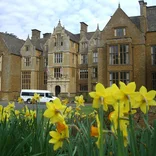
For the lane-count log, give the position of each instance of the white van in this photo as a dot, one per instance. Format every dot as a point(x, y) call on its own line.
point(45, 95)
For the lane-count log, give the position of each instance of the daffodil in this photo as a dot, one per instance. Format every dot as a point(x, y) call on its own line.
point(145, 99)
point(99, 92)
point(127, 95)
point(57, 139)
point(79, 101)
point(65, 101)
point(11, 105)
point(17, 113)
point(20, 100)
point(102, 96)
point(95, 131)
point(119, 121)
point(28, 114)
point(55, 111)
point(36, 97)
point(1, 112)
point(62, 128)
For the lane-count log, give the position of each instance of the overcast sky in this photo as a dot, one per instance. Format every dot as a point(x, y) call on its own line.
point(20, 16)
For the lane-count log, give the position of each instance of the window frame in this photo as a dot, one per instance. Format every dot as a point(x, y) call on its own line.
point(84, 58)
point(58, 57)
point(83, 73)
point(94, 72)
point(120, 32)
point(26, 79)
point(119, 54)
point(153, 55)
point(27, 61)
point(119, 76)
point(154, 80)
point(57, 72)
point(83, 87)
point(95, 57)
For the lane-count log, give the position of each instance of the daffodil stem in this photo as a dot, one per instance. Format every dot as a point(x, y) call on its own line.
point(101, 113)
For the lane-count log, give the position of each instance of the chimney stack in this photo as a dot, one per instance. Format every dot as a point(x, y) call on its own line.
point(35, 34)
point(46, 35)
point(83, 29)
point(143, 8)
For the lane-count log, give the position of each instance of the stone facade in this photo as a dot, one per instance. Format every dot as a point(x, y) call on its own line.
point(10, 66)
point(68, 64)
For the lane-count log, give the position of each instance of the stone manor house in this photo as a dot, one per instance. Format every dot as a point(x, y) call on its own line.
point(71, 64)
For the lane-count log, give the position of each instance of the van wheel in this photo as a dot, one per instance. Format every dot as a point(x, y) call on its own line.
point(29, 101)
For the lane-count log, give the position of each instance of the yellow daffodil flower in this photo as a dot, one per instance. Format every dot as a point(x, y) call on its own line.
point(99, 92)
point(11, 105)
point(57, 139)
point(28, 114)
point(65, 101)
point(95, 131)
point(145, 99)
point(55, 111)
point(17, 113)
point(36, 97)
point(79, 101)
point(118, 117)
point(102, 96)
point(62, 127)
point(20, 100)
point(127, 94)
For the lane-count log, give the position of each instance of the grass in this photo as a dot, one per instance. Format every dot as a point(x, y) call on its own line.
point(87, 109)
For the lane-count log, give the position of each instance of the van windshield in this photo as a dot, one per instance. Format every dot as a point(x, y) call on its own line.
point(49, 95)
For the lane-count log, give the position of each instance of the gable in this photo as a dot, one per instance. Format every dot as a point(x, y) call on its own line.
point(121, 20)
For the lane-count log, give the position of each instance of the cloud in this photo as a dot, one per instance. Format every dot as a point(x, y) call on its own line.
point(19, 17)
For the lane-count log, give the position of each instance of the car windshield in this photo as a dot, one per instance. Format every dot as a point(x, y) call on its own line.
point(49, 95)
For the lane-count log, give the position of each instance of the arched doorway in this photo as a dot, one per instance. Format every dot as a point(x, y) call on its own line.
point(57, 90)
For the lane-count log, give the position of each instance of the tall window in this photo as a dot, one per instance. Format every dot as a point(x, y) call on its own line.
point(0, 63)
point(153, 55)
point(45, 61)
point(73, 61)
point(57, 72)
point(95, 57)
point(58, 57)
point(27, 47)
point(83, 87)
point(115, 77)
point(94, 72)
point(119, 32)
point(83, 73)
point(154, 80)
point(45, 78)
point(119, 54)
point(26, 79)
point(0, 83)
point(46, 48)
point(27, 61)
point(84, 59)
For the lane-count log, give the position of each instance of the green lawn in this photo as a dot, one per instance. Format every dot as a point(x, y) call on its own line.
point(87, 109)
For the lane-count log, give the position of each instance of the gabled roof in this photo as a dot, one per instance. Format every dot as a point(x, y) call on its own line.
point(89, 35)
point(39, 43)
point(151, 18)
point(136, 21)
point(13, 43)
point(72, 36)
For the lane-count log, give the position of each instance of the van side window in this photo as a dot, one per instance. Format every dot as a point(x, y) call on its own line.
point(41, 94)
point(27, 94)
point(48, 95)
